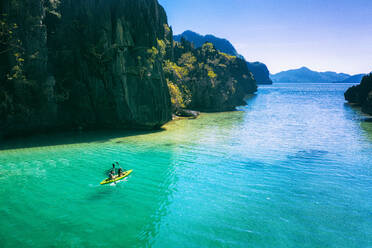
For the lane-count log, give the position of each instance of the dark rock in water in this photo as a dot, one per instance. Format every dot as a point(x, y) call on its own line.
point(352, 95)
point(260, 72)
point(82, 63)
point(187, 113)
point(361, 94)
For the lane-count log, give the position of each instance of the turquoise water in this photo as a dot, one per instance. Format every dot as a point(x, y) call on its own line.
point(291, 169)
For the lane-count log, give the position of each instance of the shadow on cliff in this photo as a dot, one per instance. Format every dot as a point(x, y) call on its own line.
point(69, 138)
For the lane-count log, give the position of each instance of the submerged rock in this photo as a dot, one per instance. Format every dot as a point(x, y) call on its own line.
point(187, 113)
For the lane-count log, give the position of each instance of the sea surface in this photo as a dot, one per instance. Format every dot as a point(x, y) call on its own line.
point(293, 168)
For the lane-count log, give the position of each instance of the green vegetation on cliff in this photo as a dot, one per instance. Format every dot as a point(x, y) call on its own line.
point(205, 79)
point(21, 95)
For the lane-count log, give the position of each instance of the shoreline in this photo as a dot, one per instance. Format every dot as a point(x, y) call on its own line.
point(75, 136)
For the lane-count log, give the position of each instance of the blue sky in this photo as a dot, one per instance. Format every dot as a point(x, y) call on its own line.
point(324, 35)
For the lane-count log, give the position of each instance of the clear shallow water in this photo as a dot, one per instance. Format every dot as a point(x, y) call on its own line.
point(293, 168)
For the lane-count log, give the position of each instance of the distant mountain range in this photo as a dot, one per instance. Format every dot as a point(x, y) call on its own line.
point(258, 69)
point(305, 75)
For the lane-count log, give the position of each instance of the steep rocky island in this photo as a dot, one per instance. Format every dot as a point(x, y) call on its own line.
point(259, 70)
point(92, 64)
point(206, 79)
point(361, 94)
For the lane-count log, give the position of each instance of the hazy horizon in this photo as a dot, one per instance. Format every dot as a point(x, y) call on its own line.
point(321, 35)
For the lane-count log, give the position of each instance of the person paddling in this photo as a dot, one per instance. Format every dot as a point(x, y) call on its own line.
point(120, 171)
point(113, 168)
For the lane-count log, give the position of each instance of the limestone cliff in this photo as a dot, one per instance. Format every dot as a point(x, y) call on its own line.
point(207, 80)
point(82, 63)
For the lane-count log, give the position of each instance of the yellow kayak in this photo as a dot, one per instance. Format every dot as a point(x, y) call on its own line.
point(108, 180)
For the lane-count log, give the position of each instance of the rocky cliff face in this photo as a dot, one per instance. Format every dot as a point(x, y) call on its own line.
point(361, 94)
point(207, 80)
point(82, 63)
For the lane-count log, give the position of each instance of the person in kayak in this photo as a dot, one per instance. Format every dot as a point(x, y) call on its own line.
point(112, 175)
point(113, 168)
point(120, 171)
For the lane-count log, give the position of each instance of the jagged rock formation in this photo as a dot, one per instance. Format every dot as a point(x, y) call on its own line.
point(206, 79)
point(259, 70)
point(361, 94)
point(82, 63)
